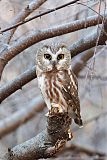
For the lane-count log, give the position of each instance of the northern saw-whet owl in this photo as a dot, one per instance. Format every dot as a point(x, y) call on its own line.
point(57, 81)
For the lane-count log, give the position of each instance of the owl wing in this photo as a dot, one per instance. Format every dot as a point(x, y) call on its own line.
point(70, 93)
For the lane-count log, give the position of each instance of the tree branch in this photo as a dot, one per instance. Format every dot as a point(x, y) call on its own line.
point(20, 117)
point(40, 35)
point(47, 143)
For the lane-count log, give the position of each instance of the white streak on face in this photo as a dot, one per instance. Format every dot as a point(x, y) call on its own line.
point(49, 51)
point(54, 56)
point(59, 51)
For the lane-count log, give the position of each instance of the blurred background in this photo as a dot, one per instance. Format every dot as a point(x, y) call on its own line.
point(92, 78)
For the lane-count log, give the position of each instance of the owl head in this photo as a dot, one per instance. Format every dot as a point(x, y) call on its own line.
point(53, 57)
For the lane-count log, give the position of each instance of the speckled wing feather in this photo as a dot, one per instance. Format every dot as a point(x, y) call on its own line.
point(70, 93)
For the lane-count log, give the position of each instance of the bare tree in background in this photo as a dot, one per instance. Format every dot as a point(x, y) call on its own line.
point(55, 136)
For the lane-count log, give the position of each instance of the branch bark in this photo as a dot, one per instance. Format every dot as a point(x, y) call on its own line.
point(20, 117)
point(40, 35)
point(47, 143)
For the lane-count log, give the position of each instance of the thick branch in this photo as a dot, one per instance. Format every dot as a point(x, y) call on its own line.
point(40, 35)
point(20, 117)
point(47, 143)
point(22, 15)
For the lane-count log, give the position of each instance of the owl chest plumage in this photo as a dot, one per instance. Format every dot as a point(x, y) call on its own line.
point(51, 87)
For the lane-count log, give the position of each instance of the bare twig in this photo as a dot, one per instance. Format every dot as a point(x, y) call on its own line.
point(91, 9)
point(39, 15)
point(20, 117)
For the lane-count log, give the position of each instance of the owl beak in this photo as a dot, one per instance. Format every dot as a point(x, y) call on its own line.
point(54, 64)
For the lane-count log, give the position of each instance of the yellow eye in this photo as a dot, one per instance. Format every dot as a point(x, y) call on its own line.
point(47, 56)
point(60, 56)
